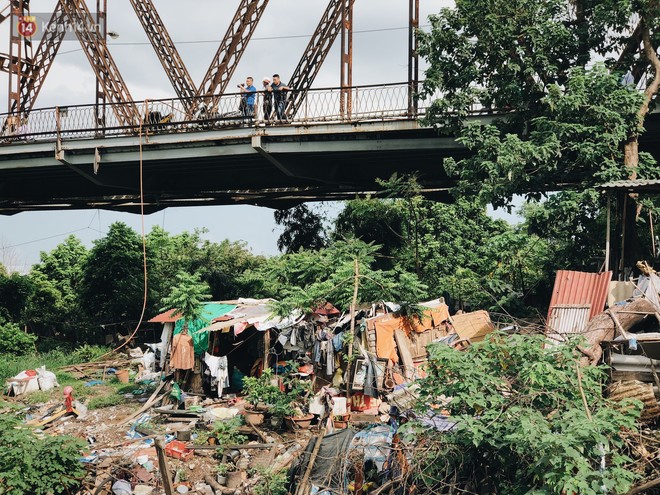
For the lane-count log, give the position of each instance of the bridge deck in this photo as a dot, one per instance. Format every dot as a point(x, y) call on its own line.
point(61, 158)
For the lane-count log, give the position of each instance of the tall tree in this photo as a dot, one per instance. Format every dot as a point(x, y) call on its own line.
point(57, 279)
point(564, 120)
point(113, 279)
point(302, 229)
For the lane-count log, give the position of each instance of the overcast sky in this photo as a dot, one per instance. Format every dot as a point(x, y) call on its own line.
point(380, 52)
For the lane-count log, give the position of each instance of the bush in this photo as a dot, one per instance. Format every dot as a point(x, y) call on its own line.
point(14, 341)
point(522, 424)
point(34, 466)
point(271, 483)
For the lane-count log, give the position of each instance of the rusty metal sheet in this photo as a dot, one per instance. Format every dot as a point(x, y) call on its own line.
point(566, 320)
point(581, 288)
point(165, 317)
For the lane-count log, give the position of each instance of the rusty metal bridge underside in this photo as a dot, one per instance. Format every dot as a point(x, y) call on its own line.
point(62, 159)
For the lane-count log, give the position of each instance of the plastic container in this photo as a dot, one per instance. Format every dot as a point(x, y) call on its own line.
point(122, 376)
point(178, 450)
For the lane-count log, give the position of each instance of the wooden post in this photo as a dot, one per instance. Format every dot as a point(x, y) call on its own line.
point(301, 488)
point(164, 469)
point(266, 348)
point(356, 282)
point(607, 235)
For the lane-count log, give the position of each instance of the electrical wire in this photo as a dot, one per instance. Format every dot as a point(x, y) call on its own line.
point(262, 38)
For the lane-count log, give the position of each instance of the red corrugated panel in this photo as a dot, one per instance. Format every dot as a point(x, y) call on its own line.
point(165, 317)
point(581, 288)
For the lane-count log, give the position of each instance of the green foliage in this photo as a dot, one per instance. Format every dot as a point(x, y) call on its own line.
point(34, 466)
point(521, 422)
point(303, 229)
point(113, 280)
point(576, 136)
point(378, 222)
point(227, 432)
point(15, 290)
point(15, 341)
point(11, 365)
point(305, 279)
point(271, 482)
point(54, 305)
point(187, 297)
point(105, 401)
point(259, 389)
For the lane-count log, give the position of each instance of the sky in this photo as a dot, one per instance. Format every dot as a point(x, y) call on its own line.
point(380, 54)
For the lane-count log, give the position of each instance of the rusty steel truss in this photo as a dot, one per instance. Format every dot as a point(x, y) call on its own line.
point(231, 47)
point(164, 46)
point(317, 50)
point(28, 71)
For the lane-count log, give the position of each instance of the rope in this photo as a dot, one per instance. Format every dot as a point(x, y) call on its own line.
point(144, 244)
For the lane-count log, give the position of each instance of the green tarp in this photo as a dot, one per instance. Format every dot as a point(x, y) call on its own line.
point(210, 311)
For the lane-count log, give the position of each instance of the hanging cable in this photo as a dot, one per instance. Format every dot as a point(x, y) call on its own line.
point(144, 242)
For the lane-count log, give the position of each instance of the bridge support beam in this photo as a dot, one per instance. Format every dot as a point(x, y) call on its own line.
point(413, 57)
point(346, 81)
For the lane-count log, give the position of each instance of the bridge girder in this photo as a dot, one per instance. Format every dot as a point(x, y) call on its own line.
point(232, 47)
point(317, 50)
point(164, 46)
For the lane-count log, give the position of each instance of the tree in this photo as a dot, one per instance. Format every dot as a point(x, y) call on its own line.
point(380, 222)
point(303, 229)
point(57, 281)
point(565, 121)
point(528, 419)
point(186, 297)
point(304, 279)
point(113, 278)
point(15, 291)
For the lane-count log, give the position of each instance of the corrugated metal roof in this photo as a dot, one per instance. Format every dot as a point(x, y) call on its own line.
point(580, 288)
point(636, 185)
point(566, 320)
point(165, 317)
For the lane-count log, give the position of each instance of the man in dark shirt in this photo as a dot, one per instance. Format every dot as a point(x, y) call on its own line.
point(268, 99)
point(279, 91)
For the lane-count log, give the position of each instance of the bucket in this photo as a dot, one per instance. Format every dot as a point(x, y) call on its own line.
point(122, 376)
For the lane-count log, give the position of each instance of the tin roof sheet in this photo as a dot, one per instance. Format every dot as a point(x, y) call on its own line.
point(633, 185)
point(580, 288)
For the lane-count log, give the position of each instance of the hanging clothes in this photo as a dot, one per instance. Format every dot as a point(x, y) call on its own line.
point(183, 352)
point(219, 370)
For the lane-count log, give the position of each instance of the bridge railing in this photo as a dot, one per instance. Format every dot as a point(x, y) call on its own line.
point(323, 105)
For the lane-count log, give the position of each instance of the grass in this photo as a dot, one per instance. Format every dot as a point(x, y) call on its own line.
point(110, 393)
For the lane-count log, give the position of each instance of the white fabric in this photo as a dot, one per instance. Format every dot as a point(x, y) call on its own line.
point(219, 369)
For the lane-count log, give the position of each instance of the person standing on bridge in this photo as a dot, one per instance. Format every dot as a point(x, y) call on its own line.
point(248, 95)
point(279, 91)
point(268, 99)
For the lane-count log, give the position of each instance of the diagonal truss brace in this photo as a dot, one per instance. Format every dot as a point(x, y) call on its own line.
point(317, 50)
point(232, 47)
point(102, 63)
point(164, 46)
point(42, 61)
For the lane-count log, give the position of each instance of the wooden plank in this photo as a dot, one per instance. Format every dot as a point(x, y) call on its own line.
point(164, 469)
point(405, 354)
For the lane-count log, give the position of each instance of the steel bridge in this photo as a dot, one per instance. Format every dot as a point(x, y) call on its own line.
point(200, 147)
point(61, 158)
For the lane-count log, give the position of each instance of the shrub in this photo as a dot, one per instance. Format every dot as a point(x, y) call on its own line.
point(271, 483)
point(34, 466)
point(14, 341)
point(528, 419)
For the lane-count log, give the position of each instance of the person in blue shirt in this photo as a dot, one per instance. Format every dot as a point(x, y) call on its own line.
point(248, 95)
